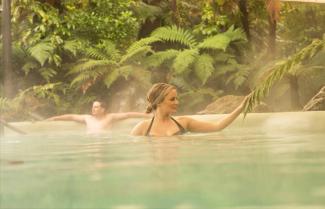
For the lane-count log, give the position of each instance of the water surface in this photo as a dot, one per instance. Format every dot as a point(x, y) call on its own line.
point(267, 161)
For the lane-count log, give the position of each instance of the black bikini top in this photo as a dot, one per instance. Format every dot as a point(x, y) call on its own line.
point(181, 131)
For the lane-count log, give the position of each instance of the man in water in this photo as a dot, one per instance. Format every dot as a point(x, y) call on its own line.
point(99, 120)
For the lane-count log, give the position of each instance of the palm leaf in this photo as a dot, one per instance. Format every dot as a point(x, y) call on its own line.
point(176, 35)
point(203, 67)
point(276, 73)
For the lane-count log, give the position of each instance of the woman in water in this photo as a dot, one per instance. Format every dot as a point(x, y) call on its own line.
point(162, 99)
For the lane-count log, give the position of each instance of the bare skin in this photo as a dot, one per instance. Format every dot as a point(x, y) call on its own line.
point(163, 125)
point(99, 120)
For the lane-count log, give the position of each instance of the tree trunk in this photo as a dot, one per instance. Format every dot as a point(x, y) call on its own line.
point(294, 96)
point(6, 34)
point(272, 37)
point(244, 17)
point(174, 8)
point(273, 8)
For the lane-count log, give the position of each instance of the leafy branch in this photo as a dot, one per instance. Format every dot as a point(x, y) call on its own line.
point(279, 70)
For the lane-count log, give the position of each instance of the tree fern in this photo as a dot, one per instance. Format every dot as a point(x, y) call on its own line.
point(47, 73)
point(238, 78)
point(142, 76)
point(89, 75)
point(111, 77)
point(109, 48)
point(203, 67)
point(42, 51)
point(141, 43)
point(114, 74)
point(184, 59)
point(30, 65)
point(71, 46)
point(88, 65)
point(135, 54)
point(219, 41)
point(235, 34)
point(145, 11)
point(278, 71)
point(159, 58)
point(176, 35)
point(95, 53)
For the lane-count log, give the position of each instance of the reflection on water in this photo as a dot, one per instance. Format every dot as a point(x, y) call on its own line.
point(257, 163)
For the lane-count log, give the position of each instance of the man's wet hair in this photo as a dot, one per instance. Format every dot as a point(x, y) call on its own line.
point(103, 104)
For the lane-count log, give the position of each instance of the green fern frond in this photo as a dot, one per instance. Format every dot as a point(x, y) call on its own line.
point(180, 82)
point(280, 70)
point(95, 53)
point(111, 77)
point(176, 35)
point(142, 76)
point(30, 65)
point(4, 104)
point(159, 58)
point(222, 69)
point(72, 46)
point(47, 73)
point(42, 51)
point(89, 65)
point(125, 71)
point(145, 11)
point(135, 54)
point(219, 41)
point(109, 48)
point(235, 34)
point(238, 78)
point(203, 67)
point(17, 51)
point(184, 59)
point(142, 43)
point(86, 76)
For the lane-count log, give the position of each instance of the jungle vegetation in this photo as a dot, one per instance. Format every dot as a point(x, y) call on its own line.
point(67, 53)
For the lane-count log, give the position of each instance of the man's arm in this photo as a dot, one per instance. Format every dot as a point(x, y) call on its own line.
point(126, 115)
point(69, 117)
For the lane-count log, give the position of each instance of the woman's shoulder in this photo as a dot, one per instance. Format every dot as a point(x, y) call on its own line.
point(141, 128)
point(183, 118)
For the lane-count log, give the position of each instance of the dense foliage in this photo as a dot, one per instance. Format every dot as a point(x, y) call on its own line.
point(67, 53)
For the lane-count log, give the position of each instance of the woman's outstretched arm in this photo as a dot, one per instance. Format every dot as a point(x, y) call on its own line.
point(201, 126)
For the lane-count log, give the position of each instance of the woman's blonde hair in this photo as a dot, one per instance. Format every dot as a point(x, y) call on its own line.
point(157, 94)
